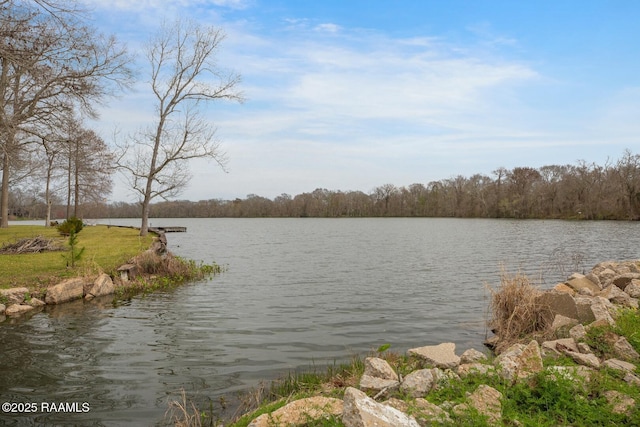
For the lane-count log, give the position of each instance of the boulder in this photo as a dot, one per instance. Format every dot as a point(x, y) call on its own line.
point(14, 295)
point(600, 310)
point(379, 368)
point(623, 280)
point(68, 290)
point(562, 325)
point(300, 412)
point(35, 302)
point(578, 332)
point(127, 272)
point(621, 403)
point(633, 288)
point(103, 285)
point(2, 309)
point(368, 382)
point(624, 350)
point(595, 279)
point(590, 360)
point(619, 365)
point(471, 356)
point(429, 413)
point(530, 360)
point(17, 310)
point(557, 347)
point(361, 411)
point(506, 363)
point(441, 355)
point(578, 283)
point(561, 287)
point(617, 296)
point(487, 401)
point(418, 383)
point(466, 369)
point(554, 303)
point(606, 275)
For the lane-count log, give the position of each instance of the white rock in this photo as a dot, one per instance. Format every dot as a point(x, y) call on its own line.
point(362, 411)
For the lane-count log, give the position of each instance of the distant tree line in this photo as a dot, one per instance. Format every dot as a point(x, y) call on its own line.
point(580, 191)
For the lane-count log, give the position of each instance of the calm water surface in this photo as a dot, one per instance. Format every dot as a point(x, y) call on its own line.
point(297, 293)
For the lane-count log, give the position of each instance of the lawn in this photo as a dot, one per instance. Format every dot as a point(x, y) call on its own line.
point(106, 248)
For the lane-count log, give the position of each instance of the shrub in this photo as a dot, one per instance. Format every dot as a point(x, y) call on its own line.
point(72, 224)
point(516, 316)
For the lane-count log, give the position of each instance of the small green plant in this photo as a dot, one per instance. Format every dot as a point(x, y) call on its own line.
point(601, 340)
point(628, 325)
point(383, 348)
point(70, 225)
point(75, 253)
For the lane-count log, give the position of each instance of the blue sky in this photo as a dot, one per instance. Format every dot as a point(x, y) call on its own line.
point(351, 95)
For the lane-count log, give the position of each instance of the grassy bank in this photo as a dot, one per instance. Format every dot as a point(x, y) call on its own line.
point(106, 248)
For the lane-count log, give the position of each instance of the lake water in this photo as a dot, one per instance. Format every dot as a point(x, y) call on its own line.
point(297, 293)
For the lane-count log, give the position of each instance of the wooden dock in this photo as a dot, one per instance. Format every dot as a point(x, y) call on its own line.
point(171, 229)
point(154, 229)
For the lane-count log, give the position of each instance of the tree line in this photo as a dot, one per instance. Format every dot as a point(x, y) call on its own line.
point(579, 191)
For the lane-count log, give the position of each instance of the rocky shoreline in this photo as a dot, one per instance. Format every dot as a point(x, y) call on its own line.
point(15, 302)
point(575, 306)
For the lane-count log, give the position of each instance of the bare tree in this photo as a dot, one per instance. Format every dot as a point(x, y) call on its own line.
point(49, 62)
point(184, 75)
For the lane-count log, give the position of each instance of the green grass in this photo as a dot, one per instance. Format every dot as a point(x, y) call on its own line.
point(106, 248)
point(545, 399)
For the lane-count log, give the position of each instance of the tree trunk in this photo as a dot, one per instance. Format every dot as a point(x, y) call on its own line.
point(4, 203)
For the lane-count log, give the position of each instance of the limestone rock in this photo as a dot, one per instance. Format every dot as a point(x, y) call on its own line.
point(17, 310)
point(595, 279)
point(623, 280)
point(562, 324)
point(618, 296)
point(578, 283)
point(300, 412)
point(486, 400)
point(506, 363)
point(379, 368)
point(605, 275)
point(623, 349)
point(35, 302)
point(622, 404)
point(466, 369)
point(631, 379)
point(2, 309)
point(362, 411)
point(633, 288)
point(368, 382)
point(14, 295)
point(561, 287)
point(103, 285)
point(429, 413)
point(601, 312)
point(578, 332)
point(619, 365)
point(554, 303)
point(530, 361)
point(556, 347)
point(590, 360)
point(65, 291)
point(472, 355)
point(418, 383)
point(441, 355)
